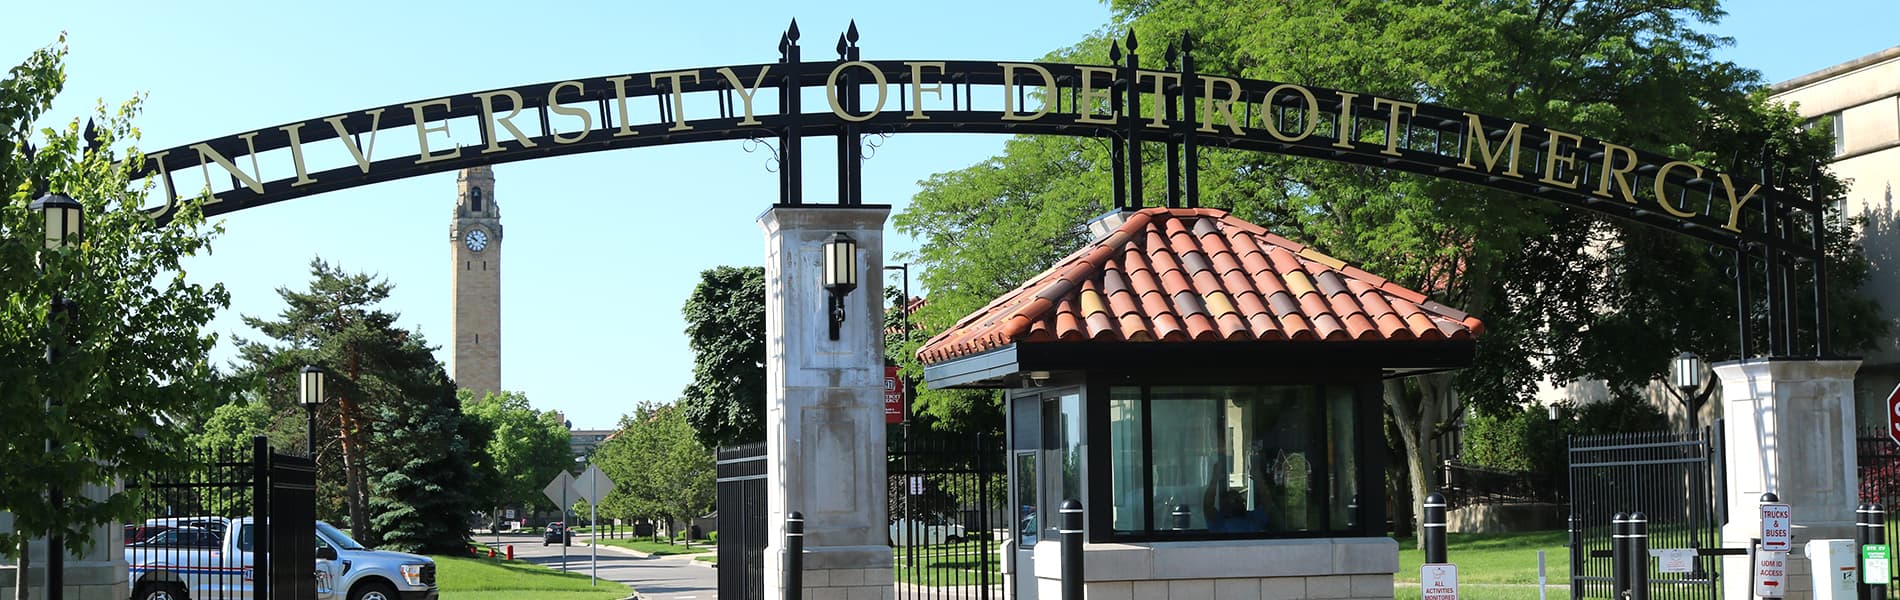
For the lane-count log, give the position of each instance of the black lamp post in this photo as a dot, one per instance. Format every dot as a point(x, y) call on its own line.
point(1686, 375)
point(841, 274)
point(310, 395)
point(904, 309)
point(65, 224)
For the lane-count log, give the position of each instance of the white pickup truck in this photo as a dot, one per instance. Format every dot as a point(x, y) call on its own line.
point(187, 563)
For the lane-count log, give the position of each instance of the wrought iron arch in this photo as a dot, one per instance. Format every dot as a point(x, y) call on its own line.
point(1128, 105)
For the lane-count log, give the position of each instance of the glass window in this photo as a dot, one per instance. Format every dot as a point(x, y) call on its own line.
point(1062, 444)
point(1025, 485)
point(1237, 461)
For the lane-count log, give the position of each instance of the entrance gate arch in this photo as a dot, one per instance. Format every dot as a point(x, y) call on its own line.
point(1134, 108)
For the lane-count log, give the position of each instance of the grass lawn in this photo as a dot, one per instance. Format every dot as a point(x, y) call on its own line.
point(1496, 557)
point(649, 546)
point(494, 579)
point(947, 564)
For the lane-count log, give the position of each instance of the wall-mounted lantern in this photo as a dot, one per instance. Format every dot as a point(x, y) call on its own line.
point(841, 274)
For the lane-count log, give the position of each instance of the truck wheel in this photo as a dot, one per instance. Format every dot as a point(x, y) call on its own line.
point(160, 591)
point(373, 590)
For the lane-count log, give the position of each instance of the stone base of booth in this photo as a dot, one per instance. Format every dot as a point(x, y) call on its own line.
point(1353, 568)
point(839, 573)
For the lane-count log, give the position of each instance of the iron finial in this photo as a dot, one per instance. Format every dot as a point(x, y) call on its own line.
point(92, 136)
point(1167, 57)
point(1114, 52)
point(792, 32)
point(1131, 42)
point(851, 33)
point(841, 47)
point(1187, 43)
point(27, 150)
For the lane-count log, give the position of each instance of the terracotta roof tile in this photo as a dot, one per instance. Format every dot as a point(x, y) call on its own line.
point(1199, 274)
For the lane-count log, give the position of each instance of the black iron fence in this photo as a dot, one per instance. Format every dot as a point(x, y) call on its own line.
point(948, 508)
point(1671, 478)
point(213, 520)
point(1467, 485)
point(741, 502)
point(1877, 458)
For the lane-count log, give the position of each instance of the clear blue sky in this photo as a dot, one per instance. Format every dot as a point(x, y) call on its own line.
point(590, 310)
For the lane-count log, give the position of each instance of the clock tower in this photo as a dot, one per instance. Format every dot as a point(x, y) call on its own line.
point(475, 247)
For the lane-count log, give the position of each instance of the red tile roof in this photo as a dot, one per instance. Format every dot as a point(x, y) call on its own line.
point(1199, 274)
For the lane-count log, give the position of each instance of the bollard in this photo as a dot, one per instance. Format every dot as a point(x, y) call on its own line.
point(794, 556)
point(1863, 525)
point(1435, 528)
point(1180, 517)
point(1639, 556)
point(1877, 534)
point(1071, 549)
point(1619, 554)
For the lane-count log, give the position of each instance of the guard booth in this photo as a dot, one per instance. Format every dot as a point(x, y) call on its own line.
point(1211, 393)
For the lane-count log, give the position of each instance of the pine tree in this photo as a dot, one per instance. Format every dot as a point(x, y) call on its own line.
point(423, 500)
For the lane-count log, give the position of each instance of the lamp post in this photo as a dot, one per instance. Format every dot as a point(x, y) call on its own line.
point(65, 223)
point(310, 383)
point(904, 310)
point(1687, 377)
point(841, 274)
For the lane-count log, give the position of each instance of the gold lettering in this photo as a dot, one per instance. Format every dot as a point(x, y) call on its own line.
point(488, 116)
point(1159, 93)
point(1210, 106)
point(1085, 100)
point(587, 119)
point(746, 93)
point(1476, 137)
point(164, 176)
point(1392, 123)
point(1554, 155)
point(831, 91)
point(207, 153)
point(1619, 177)
point(1309, 121)
point(679, 96)
point(917, 88)
point(1009, 91)
point(362, 156)
point(1735, 206)
point(620, 102)
point(1662, 195)
point(422, 133)
point(296, 154)
point(1342, 128)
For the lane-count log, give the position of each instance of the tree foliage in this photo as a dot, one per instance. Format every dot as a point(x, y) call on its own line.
point(391, 414)
point(525, 448)
point(725, 327)
point(660, 469)
point(132, 354)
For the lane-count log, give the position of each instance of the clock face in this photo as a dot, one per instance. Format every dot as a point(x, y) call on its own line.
point(476, 240)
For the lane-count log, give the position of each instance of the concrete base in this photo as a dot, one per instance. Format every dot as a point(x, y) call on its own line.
point(1352, 568)
point(1788, 428)
point(1495, 518)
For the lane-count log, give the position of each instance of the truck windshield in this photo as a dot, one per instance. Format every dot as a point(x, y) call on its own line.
point(336, 536)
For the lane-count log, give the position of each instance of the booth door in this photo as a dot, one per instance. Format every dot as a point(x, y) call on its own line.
point(1027, 523)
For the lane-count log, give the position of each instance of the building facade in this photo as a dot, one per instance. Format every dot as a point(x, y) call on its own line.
point(1860, 101)
point(475, 236)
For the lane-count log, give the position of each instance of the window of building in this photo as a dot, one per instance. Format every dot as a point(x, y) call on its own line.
point(1839, 130)
point(1256, 461)
point(475, 199)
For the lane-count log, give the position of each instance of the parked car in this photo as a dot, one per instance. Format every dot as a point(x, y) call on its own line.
point(345, 570)
point(921, 533)
point(557, 532)
point(139, 533)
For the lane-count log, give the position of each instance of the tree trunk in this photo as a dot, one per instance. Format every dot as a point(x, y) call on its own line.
point(356, 494)
point(19, 576)
point(1416, 419)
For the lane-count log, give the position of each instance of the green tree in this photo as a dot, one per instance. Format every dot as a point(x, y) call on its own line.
point(526, 448)
point(1564, 294)
point(660, 469)
point(132, 354)
point(381, 378)
point(725, 327)
point(426, 493)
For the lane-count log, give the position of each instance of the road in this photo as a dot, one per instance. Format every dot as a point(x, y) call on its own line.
point(652, 578)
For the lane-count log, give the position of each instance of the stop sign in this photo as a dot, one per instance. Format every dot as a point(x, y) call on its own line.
point(1893, 415)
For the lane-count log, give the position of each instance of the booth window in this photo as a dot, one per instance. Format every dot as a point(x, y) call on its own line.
point(1254, 461)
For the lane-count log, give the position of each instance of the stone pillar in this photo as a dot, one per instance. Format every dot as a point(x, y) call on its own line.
point(824, 422)
point(99, 574)
point(1788, 428)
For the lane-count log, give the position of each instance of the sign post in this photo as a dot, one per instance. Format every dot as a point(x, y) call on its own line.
point(1776, 528)
point(1438, 581)
point(592, 486)
point(1893, 414)
point(558, 492)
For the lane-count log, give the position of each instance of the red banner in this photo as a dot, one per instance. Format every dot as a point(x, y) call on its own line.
point(893, 396)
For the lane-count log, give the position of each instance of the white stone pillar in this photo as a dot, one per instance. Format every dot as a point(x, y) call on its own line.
point(99, 574)
point(824, 422)
point(1788, 428)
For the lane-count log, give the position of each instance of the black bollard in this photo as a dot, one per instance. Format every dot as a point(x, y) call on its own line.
point(794, 556)
point(1434, 528)
point(1863, 526)
point(1639, 556)
point(1619, 554)
point(1071, 549)
point(1179, 517)
point(1877, 533)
